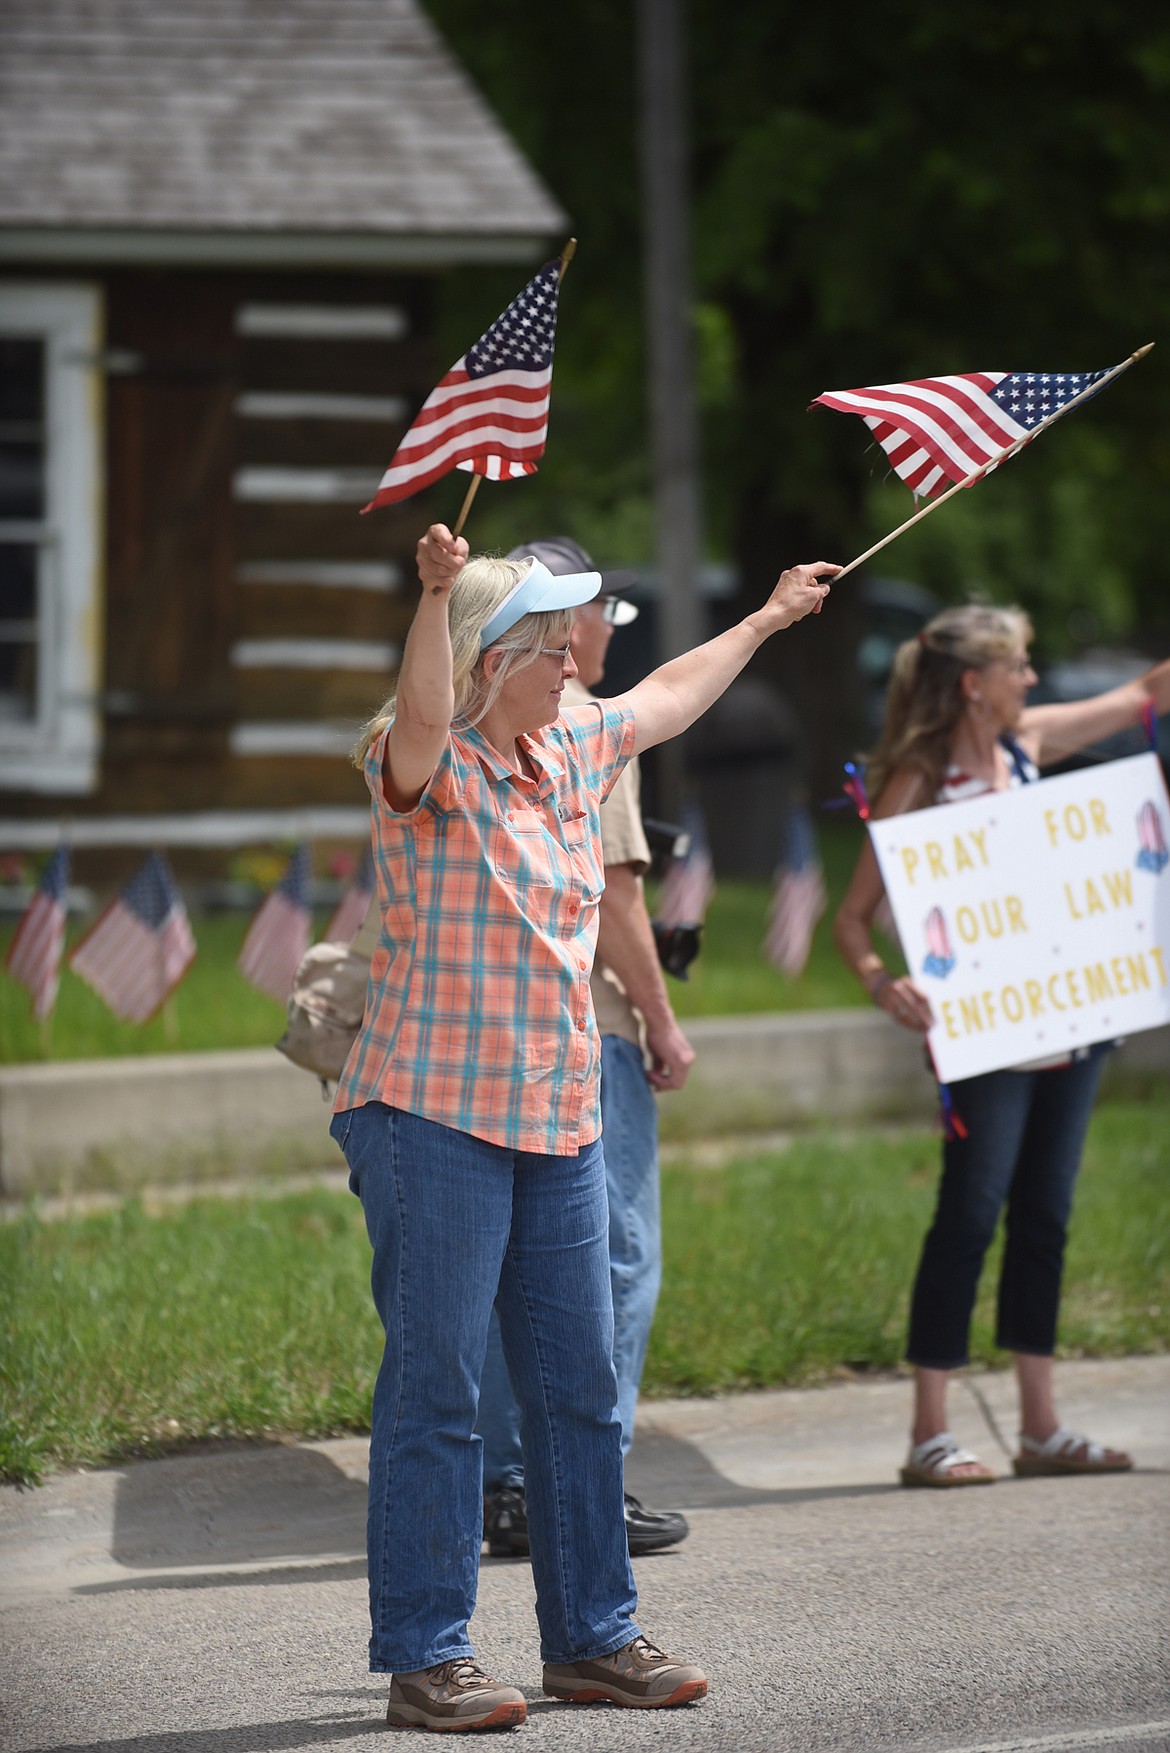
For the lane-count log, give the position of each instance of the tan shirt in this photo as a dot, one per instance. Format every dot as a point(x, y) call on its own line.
point(623, 841)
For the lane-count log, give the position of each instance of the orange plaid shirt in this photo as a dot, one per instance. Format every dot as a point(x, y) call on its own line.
point(478, 1013)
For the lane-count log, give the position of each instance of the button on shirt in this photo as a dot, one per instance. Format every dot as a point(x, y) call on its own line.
point(479, 1014)
point(623, 841)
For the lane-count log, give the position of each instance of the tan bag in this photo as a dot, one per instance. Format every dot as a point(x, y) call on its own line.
point(328, 1001)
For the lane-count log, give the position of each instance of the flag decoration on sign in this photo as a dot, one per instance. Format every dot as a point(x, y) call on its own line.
point(34, 955)
point(689, 882)
point(354, 903)
point(489, 414)
point(798, 898)
point(941, 429)
point(1152, 855)
point(940, 957)
point(279, 935)
point(140, 947)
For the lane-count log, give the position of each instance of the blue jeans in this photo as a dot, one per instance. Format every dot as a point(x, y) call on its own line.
point(629, 1136)
point(456, 1223)
point(1025, 1134)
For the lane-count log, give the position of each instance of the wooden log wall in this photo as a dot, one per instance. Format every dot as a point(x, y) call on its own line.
point(253, 618)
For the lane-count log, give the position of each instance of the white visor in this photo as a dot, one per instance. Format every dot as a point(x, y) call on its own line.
point(540, 592)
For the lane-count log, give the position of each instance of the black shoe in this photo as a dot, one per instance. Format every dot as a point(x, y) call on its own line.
point(652, 1530)
point(505, 1522)
point(505, 1525)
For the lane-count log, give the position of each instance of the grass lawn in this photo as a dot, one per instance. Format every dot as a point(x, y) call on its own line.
point(215, 1007)
point(129, 1333)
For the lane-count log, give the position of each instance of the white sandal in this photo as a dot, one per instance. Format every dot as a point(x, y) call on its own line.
point(930, 1463)
point(1067, 1452)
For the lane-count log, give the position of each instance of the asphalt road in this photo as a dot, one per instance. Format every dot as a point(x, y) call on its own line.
point(214, 1602)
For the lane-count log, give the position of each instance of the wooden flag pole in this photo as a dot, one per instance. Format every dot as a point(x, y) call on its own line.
point(567, 254)
point(1009, 450)
point(472, 490)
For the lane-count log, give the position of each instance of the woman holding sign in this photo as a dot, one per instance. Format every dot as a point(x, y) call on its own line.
point(957, 726)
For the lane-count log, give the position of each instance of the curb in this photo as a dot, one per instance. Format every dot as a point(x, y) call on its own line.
point(158, 1119)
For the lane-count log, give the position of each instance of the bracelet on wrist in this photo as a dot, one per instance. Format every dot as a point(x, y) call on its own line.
point(883, 980)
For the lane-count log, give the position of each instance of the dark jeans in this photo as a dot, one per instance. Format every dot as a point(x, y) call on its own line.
point(1025, 1134)
point(457, 1223)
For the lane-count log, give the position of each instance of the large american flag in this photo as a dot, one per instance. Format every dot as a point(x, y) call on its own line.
point(279, 935)
point(798, 899)
point(34, 955)
point(141, 946)
point(354, 903)
point(941, 429)
point(689, 882)
point(489, 415)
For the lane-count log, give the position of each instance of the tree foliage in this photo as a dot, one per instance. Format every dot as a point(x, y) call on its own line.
point(885, 193)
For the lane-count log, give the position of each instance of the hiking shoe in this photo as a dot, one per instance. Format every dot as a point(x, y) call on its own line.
point(652, 1530)
point(637, 1676)
point(505, 1522)
point(454, 1695)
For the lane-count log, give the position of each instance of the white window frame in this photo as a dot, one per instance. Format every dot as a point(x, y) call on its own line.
point(57, 753)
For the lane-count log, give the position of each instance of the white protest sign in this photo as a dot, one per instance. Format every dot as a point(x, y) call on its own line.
point(1036, 919)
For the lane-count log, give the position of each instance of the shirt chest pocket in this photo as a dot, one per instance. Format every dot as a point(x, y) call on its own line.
point(521, 852)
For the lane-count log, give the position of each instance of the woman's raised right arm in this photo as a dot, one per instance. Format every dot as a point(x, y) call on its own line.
point(1051, 732)
point(425, 698)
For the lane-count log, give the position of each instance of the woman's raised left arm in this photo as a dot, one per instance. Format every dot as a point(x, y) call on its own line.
point(1049, 733)
point(673, 696)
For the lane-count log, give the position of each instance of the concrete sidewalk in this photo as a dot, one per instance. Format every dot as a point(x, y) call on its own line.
point(214, 1602)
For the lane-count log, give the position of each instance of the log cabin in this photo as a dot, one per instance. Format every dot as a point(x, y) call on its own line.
point(222, 228)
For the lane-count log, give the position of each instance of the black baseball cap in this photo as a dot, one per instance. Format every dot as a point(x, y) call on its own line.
point(563, 555)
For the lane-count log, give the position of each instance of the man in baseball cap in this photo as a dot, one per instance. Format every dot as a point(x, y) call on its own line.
point(642, 1049)
point(564, 557)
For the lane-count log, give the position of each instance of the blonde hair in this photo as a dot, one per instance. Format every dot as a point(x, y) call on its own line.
point(925, 699)
point(477, 593)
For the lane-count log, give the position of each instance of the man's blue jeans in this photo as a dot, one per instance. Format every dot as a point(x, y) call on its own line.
point(455, 1224)
point(1025, 1134)
point(629, 1137)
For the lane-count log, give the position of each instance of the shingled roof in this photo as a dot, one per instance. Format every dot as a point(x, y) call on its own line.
point(343, 121)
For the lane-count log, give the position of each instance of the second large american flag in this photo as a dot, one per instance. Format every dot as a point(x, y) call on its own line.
point(940, 429)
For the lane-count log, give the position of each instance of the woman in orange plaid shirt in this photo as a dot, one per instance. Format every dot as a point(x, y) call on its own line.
point(468, 1112)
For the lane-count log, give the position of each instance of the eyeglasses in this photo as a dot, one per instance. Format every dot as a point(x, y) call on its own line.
point(560, 652)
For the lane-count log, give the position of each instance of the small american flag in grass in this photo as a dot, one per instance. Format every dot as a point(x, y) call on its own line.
point(140, 947)
point(354, 903)
point(489, 414)
point(798, 899)
point(279, 935)
point(34, 955)
point(689, 882)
